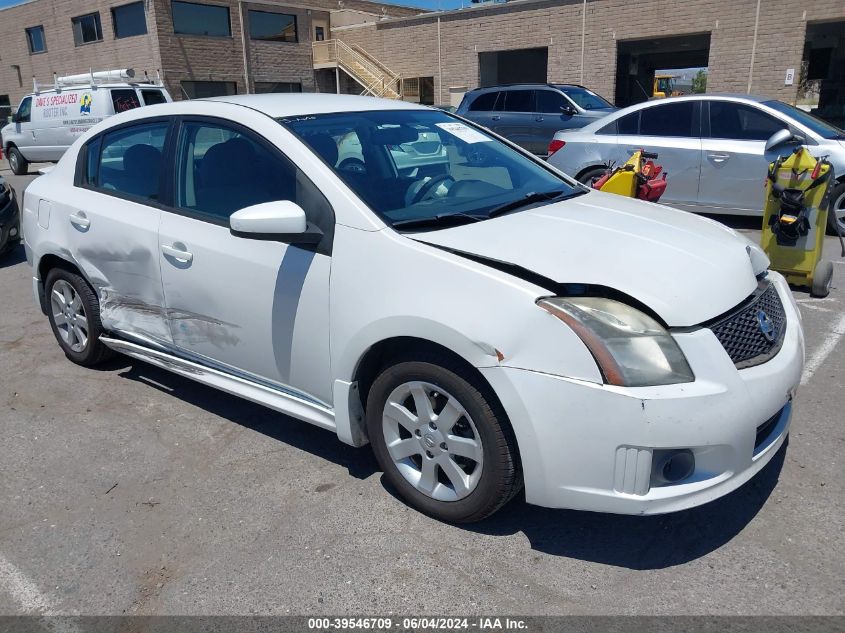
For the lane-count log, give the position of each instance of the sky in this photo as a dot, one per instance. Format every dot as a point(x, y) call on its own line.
point(425, 4)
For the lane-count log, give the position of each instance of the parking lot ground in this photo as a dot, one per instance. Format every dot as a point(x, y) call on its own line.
point(129, 490)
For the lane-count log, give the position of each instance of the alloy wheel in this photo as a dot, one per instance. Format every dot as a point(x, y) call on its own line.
point(13, 162)
point(432, 440)
point(69, 315)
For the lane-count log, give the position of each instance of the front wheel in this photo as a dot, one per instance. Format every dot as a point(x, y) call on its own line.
point(17, 163)
point(837, 210)
point(443, 442)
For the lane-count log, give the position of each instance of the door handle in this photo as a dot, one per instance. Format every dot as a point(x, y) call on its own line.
point(718, 157)
point(538, 119)
point(495, 118)
point(178, 252)
point(80, 220)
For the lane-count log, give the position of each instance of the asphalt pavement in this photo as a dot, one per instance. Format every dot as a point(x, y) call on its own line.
point(129, 490)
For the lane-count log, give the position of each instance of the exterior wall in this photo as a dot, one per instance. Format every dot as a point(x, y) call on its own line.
point(410, 45)
point(203, 58)
point(62, 56)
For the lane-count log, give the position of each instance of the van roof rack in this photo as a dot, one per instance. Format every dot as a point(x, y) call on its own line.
point(96, 78)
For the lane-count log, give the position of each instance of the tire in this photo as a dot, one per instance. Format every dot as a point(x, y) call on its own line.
point(588, 176)
point(837, 201)
point(17, 163)
point(822, 279)
point(65, 322)
point(479, 427)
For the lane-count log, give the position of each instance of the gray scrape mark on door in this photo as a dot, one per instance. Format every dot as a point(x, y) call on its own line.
point(131, 313)
point(289, 283)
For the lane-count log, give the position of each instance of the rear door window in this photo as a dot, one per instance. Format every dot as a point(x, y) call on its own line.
point(124, 99)
point(729, 120)
point(519, 101)
point(629, 124)
point(669, 119)
point(130, 160)
point(484, 103)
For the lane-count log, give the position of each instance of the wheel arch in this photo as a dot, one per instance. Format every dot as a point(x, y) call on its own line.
point(48, 262)
point(584, 170)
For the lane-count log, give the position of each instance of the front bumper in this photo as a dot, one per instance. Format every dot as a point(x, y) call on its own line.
point(10, 221)
point(588, 446)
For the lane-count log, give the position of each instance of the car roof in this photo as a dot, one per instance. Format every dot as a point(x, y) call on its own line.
point(526, 85)
point(88, 87)
point(298, 104)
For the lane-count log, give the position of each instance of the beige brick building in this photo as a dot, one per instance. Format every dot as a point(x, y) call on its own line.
point(769, 47)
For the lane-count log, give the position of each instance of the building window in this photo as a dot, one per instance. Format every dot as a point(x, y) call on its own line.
point(274, 27)
point(87, 28)
point(35, 39)
point(5, 109)
point(190, 18)
point(262, 87)
point(202, 89)
point(129, 20)
point(319, 33)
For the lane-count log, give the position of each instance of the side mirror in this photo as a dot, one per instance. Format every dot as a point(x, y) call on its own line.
point(280, 220)
point(781, 137)
point(568, 110)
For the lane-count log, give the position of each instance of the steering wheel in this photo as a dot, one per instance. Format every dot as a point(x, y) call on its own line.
point(429, 187)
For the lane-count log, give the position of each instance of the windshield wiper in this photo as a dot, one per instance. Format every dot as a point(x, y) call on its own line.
point(449, 219)
point(533, 198)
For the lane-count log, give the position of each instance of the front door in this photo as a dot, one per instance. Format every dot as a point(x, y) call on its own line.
point(256, 308)
point(112, 228)
point(735, 161)
point(321, 30)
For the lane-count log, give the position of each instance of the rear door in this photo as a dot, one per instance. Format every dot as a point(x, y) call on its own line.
point(110, 222)
point(672, 130)
point(482, 108)
point(735, 161)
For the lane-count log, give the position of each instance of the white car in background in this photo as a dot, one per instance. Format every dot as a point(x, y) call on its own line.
point(715, 148)
point(493, 325)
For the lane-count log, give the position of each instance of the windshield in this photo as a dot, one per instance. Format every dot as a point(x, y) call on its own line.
point(822, 128)
point(585, 98)
point(416, 167)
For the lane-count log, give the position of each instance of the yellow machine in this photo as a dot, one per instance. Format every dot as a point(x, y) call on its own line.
point(638, 177)
point(795, 218)
point(664, 86)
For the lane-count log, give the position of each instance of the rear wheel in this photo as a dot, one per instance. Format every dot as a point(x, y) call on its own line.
point(17, 163)
point(442, 442)
point(74, 314)
point(590, 175)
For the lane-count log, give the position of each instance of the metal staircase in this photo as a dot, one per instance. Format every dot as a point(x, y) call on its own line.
point(376, 78)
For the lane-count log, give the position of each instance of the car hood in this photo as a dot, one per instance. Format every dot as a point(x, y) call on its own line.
point(686, 268)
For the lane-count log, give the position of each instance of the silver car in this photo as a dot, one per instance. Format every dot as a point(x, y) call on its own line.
point(716, 148)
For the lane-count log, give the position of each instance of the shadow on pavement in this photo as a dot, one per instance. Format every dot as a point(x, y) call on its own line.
point(307, 437)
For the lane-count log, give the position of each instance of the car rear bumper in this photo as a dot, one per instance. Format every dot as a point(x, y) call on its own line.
point(597, 447)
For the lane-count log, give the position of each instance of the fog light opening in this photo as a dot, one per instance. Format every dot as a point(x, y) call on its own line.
point(671, 466)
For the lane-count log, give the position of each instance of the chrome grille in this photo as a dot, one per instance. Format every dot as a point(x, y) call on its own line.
point(741, 333)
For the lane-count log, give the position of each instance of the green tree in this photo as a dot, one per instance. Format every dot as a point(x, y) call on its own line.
point(699, 82)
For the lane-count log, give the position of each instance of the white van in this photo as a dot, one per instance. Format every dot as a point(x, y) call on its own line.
point(47, 122)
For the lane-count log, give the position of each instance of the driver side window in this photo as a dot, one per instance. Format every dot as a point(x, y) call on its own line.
point(221, 170)
point(24, 112)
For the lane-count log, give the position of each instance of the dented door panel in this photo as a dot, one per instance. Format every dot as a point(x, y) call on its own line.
point(254, 306)
point(115, 244)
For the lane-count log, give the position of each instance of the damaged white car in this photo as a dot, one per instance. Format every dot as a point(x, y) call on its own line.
point(484, 322)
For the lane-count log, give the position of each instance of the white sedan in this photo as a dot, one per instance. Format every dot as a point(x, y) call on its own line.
point(483, 323)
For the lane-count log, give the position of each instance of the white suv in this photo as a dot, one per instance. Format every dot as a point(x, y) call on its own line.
point(486, 325)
